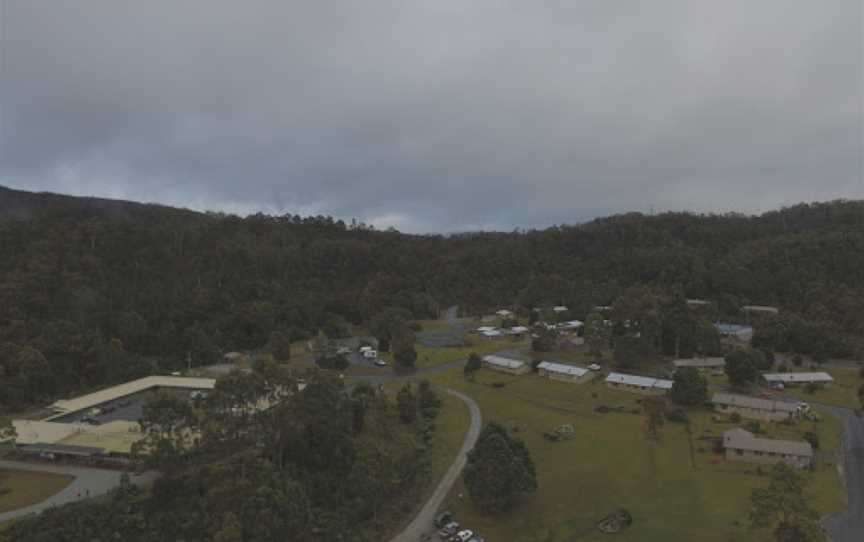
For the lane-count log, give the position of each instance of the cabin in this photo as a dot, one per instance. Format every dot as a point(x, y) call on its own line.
point(564, 372)
point(741, 445)
point(703, 365)
point(638, 384)
point(768, 410)
point(505, 365)
point(781, 380)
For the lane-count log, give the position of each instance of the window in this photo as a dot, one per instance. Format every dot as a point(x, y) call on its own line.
point(739, 452)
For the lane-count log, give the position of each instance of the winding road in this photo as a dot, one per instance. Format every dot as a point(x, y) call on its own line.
point(422, 522)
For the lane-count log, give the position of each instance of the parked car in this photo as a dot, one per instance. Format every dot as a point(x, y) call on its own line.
point(443, 519)
point(477, 538)
point(380, 363)
point(463, 536)
point(448, 530)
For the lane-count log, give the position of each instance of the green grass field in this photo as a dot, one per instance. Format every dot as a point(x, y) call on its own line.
point(432, 357)
point(19, 488)
point(673, 494)
point(842, 392)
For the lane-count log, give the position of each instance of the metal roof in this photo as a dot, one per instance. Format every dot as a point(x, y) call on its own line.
point(740, 439)
point(732, 399)
point(797, 378)
point(129, 388)
point(504, 362)
point(640, 381)
point(562, 368)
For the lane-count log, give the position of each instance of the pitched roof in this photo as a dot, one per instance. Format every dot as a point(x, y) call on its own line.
point(740, 439)
point(640, 381)
point(792, 378)
point(732, 399)
point(129, 388)
point(700, 362)
point(69, 449)
point(504, 362)
point(760, 308)
point(562, 368)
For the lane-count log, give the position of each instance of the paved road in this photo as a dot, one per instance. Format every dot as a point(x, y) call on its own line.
point(422, 522)
point(97, 481)
point(849, 525)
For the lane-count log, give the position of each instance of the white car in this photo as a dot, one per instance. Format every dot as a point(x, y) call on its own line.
point(380, 363)
point(464, 536)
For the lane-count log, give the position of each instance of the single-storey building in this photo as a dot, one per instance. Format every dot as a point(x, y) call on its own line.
point(563, 372)
point(697, 303)
point(792, 379)
point(505, 365)
point(735, 331)
point(492, 334)
point(571, 325)
point(560, 308)
point(518, 330)
point(742, 445)
point(638, 384)
point(504, 313)
point(760, 309)
point(712, 365)
point(768, 410)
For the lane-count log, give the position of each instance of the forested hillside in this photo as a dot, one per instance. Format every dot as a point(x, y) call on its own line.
point(93, 291)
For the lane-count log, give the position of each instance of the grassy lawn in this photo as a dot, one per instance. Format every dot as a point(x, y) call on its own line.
point(671, 493)
point(432, 357)
point(842, 392)
point(19, 488)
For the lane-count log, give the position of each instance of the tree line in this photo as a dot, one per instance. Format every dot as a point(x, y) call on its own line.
point(92, 293)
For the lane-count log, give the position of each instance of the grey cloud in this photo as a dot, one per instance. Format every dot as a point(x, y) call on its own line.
point(436, 116)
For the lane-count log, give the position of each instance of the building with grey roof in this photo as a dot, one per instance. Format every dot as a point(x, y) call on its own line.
point(741, 445)
point(564, 372)
point(768, 410)
point(712, 365)
point(505, 365)
point(638, 384)
point(791, 379)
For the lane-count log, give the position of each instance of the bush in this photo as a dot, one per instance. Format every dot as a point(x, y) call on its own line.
point(797, 360)
point(811, 388)
point(812, 438)
point(753, 426)
point(735, 417)
point(678, 416)
point(782, 369)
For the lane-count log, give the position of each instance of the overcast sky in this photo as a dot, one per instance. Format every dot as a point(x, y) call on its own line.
point(436, 115)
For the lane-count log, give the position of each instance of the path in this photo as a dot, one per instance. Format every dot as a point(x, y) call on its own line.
point(422, 522)
point(848, 526)
point(97, 481)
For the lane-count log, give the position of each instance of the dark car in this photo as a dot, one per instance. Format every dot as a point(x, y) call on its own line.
point(443, 519)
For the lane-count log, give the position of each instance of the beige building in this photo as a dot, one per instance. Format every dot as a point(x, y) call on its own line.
point(742, 445)
point(505, 365)
point(757, 409)
point(564, 373)
point(638, 384)
point(794, 379)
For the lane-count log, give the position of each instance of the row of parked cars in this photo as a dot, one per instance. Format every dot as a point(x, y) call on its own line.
point(450, 530)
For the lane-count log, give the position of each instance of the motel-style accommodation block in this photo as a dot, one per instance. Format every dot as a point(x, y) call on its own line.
point(741, 445)
point(564, 372)
point(754, 408)
point(506, 365)
point(638, 384)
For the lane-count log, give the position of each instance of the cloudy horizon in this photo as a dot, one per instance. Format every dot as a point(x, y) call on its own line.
point(436, 117)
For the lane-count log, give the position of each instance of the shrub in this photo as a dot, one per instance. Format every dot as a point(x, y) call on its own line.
point(811, 388)
point(753, 426)
point(678, 416)
point(812, 438)
point(735, 417)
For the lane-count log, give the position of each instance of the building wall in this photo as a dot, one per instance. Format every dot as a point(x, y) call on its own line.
point(522, 370)
point(552, 375)
point(752, 413)
point(635, 389)
point(749, 456)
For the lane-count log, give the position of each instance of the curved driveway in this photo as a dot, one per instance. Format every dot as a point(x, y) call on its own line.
point(87, 483)
point(422, 522)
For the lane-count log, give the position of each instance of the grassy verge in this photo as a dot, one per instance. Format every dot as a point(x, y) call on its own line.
point(672, 493)
point(19, 488)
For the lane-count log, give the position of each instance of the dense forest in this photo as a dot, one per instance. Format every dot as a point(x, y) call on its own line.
point(323, 464)
point(93, 291)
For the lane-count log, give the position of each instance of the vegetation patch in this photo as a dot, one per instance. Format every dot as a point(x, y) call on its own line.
point(20, 488)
